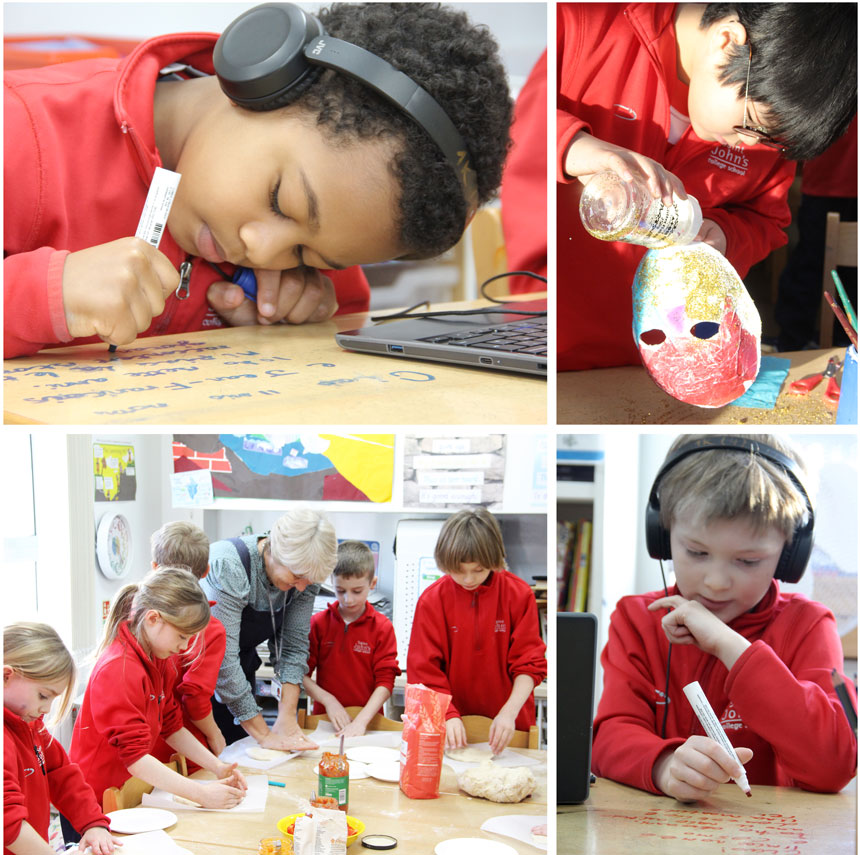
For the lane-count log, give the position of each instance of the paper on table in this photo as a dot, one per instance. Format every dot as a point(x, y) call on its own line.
point(237, 753)
point(143, 844)
point(506, 758)
point(518, 826)
point(254, 801)
point(324, 736)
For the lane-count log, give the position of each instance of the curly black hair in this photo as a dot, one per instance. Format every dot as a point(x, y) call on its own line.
point(803, 68)
point(457, 62)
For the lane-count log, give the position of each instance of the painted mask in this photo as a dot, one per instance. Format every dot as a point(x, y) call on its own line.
point(696, 327)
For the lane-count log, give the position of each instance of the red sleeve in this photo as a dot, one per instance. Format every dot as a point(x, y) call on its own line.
point(14, 801)
point(527, 652)
point(314, 641)
point(523, 193)
point(352, 290)
point(427, 656)
point(70, 792)
point(799, 713)
point(385, 667)
point(569, 41)
point(197, 683)
point(626, 740)
point(754, 226)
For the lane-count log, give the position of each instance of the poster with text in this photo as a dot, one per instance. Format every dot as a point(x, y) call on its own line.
point(114, 472)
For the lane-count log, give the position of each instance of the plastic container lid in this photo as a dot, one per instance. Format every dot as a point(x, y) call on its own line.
point(378, 841)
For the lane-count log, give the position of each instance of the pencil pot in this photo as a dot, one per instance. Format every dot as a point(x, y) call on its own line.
point(847, 412)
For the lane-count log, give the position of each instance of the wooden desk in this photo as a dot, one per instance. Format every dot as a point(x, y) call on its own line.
point(629, 396)
point(775, 821)
point(261, 375)
point(417, 824)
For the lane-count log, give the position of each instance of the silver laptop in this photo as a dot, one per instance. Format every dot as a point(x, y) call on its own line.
point(508, 337)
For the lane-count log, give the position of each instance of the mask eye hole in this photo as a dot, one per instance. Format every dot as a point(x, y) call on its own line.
point(652, 337)
point(705, 329)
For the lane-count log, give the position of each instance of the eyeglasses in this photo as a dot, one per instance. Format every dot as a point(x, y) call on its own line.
point(750, 132)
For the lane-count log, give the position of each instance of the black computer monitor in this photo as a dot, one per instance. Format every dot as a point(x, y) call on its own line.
point(576, 661)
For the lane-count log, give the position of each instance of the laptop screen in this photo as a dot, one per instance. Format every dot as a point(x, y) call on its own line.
point(576, 659)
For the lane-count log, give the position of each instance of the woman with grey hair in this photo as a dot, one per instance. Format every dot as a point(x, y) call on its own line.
point(264, 588)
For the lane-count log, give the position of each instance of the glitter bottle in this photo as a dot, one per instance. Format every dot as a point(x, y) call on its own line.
point(614, 209)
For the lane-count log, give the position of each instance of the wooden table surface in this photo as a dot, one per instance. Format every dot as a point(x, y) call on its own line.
point(417, 824)
point(261, 375)
point(616, 820)
point(628, 395)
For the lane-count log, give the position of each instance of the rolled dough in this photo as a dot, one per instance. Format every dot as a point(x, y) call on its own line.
point(181, 800)
point(255, 752)
point(498, 783)
point(469, 755)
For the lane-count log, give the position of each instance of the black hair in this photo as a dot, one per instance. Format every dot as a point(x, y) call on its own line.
point(457, 63)
point(804, 68)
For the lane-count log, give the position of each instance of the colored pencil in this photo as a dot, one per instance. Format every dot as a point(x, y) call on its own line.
point(846, 303)
point(840, 316)
point(844, 699)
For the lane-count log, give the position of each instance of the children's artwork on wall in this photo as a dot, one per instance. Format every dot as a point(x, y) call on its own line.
point(453, 472)
point(304, 467)
point(696, 327)
point(114, 472)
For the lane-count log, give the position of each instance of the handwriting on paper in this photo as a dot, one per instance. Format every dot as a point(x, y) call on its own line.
point(736, 834)
point(219, 372)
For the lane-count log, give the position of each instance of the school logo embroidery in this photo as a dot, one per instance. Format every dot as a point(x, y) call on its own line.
point(624, 112)
point(730, 719)
point(661, 697)
point(500, 626)
point(728, 157)
point(361, 647)
point(28, 770)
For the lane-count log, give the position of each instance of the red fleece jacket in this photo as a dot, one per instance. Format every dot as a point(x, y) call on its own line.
point(612, 83)
point(127, 707)
point(36, 773)
point(79, 155)
point(472, 644)
point(352, 659)
point(778, 698)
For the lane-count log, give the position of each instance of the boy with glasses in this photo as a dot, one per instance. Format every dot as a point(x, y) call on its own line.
point(714, 100)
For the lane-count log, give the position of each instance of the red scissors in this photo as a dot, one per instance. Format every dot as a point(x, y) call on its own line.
point(807, 384)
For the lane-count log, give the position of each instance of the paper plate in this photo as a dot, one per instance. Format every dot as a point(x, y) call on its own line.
point(136, 820)
point(357, 770)
point(389, 771)
point(473, 846)
point(373, 754)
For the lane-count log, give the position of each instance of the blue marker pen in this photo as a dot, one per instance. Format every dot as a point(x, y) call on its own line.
point(244, 277)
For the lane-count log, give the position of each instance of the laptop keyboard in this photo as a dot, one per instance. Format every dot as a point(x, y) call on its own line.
point(526, 336)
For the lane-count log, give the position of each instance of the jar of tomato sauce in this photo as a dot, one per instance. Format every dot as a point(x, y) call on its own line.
point(334, 779)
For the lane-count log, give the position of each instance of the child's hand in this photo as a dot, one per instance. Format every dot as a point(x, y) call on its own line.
point(354, 728)
point(713, 235)
point(114, 290)
point(690, 622)
point(455, 733)
point(501, 731)
point(695, 769)
point(337, 715)
point(99, 840)
point(220, 795)
point(588, 155)
point(297, 296)
point(230, 774)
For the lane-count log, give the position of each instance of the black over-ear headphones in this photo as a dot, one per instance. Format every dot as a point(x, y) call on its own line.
point(272, 53)
point(795, 554)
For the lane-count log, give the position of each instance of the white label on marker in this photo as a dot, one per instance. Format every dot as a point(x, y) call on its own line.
point(156, 209)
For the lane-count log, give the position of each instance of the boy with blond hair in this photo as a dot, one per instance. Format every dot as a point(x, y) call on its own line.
point(735, 518)
point(475, 634)
point(184, 544)
point(352, 646)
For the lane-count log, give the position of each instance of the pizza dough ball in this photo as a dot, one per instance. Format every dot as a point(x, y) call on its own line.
point(255, 752)
point(469, 755)
point(498, 783)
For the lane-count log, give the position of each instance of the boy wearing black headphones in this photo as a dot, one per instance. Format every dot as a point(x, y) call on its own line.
point(733, 515)
point(370, 132)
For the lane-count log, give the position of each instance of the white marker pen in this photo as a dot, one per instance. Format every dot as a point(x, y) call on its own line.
point(156, 209)
point(706, 715)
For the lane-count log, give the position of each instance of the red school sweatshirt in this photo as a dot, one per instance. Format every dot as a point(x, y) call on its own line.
point(127, 707)
point(472, 644)
point(37, 773)
point(79, 155)
point(612, 83)
point(778, 699)
point(352, 659)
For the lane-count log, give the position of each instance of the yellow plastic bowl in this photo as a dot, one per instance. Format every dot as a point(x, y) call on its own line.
point(285, 822)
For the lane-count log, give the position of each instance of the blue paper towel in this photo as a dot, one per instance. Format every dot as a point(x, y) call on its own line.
point(765, 390)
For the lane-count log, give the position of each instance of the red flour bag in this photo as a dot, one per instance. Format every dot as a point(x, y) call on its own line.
point(423, 742)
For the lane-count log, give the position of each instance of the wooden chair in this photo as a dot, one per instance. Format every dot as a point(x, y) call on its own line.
point(378, 722)
point(840, 250)
point(478, 730)
point(488, 250)
point(131, 793)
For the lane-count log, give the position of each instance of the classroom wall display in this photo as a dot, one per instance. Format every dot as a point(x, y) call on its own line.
point(454, 471)
point(303, 467)
point(114, 472)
